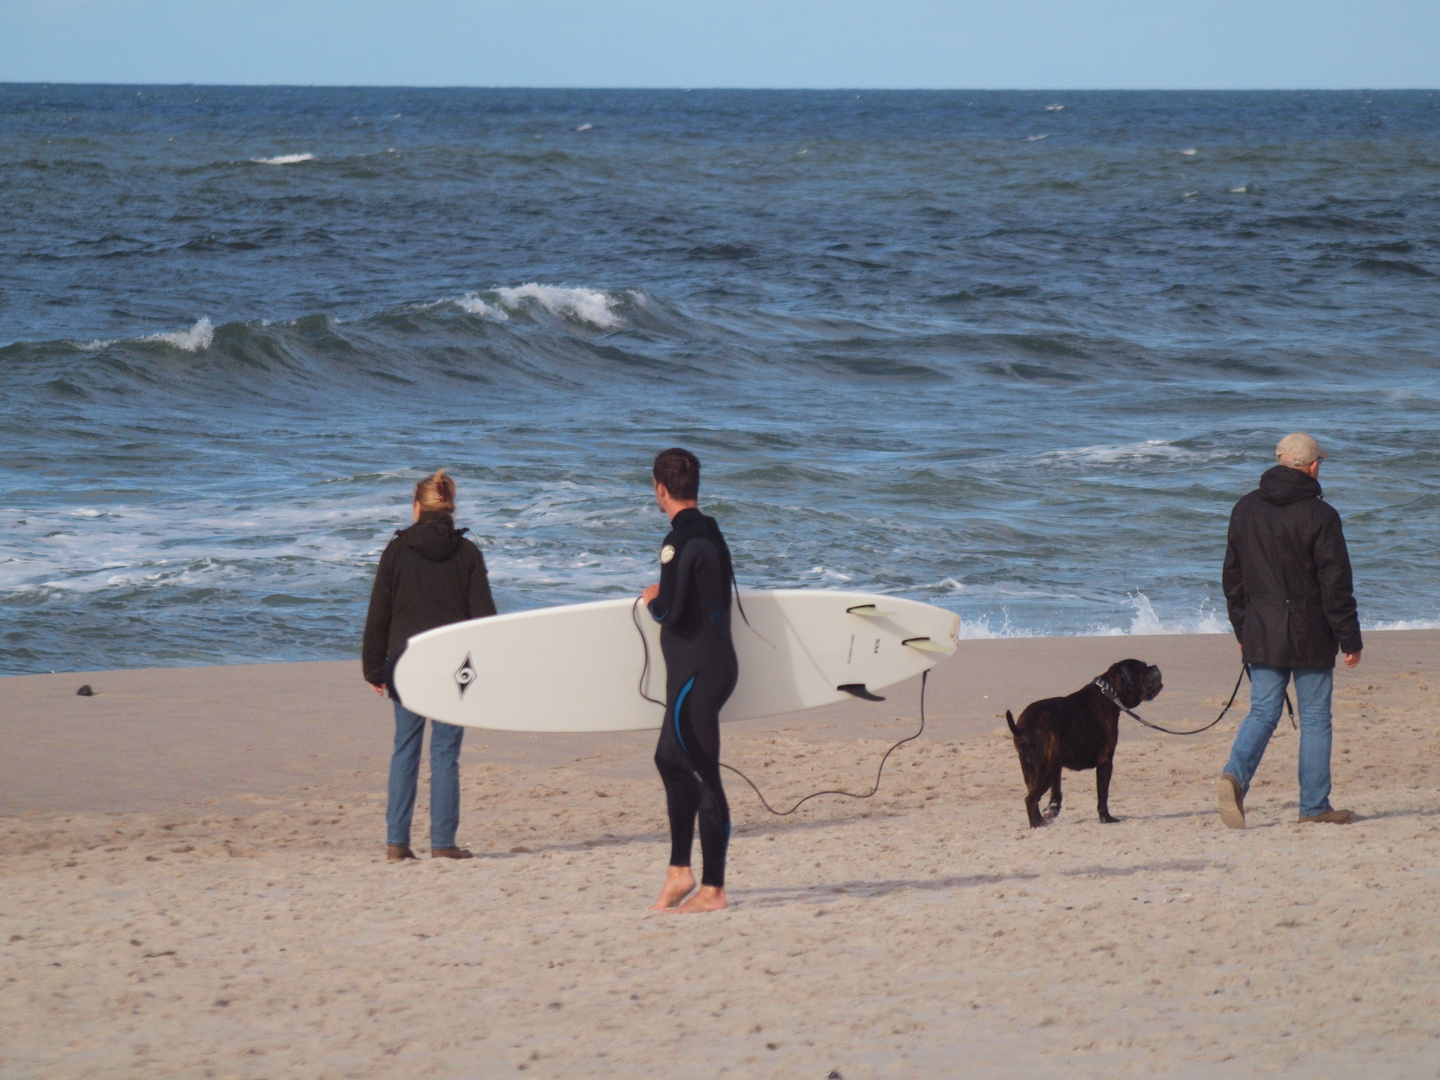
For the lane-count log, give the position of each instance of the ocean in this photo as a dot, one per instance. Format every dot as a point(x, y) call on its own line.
point(1015, 354)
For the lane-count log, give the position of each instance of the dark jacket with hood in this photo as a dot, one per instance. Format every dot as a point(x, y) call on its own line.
point(1287, 575)
point(430, 575)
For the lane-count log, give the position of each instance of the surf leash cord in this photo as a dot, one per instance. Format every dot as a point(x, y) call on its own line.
point(1106, 689)
point(644, 644)
point(924, 679)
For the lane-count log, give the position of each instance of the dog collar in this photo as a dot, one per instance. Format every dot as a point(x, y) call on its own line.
point(1105, 688)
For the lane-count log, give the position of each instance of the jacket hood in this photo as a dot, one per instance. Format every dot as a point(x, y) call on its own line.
point(434, 536)
point(1283, 485)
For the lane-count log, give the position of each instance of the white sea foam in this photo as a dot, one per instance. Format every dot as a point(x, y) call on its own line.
point(1239, 190)
point(1121, 453)
point(1191, 152)
point(1188, 194)
point(584, 305)
point(1036, 138)
point(283, 159)
point(584, 127)
point(1401, 624)
point(1144, 620)
point(981, 630)
point(1147, 621)
point(197, 337)
point(89, 549)
point(1053, 108)
point(475, 306)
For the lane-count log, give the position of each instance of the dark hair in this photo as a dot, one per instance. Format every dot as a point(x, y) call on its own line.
point(679, 471)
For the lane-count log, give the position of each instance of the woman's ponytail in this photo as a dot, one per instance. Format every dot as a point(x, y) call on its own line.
point(436, 493)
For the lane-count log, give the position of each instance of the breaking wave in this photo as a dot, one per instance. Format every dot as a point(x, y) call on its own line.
point(197, 337)
point(583, 305)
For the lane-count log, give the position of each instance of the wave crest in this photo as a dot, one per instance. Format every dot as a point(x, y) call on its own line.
point(194, 339)
point(583, 305)
point(577, 304)
point(475, 306)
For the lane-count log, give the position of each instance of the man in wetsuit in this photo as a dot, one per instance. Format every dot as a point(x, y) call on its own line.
point(692, 604)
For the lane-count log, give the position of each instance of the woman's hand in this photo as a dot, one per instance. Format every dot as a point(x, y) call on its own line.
point(651, 591)
point(379, 688)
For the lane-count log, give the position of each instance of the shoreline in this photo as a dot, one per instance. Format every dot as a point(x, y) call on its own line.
point(151, 738)
point(1385, 626)
point(194, 879)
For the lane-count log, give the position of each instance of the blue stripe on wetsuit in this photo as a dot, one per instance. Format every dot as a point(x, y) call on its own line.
point(678, 702)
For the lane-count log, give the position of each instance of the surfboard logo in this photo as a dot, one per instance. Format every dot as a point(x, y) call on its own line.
point(465, 675)
point(667, 553)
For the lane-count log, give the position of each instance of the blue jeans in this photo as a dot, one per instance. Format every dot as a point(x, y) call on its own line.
point(444, 778)
point(1312, 702)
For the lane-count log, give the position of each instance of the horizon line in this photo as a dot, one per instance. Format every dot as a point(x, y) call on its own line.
point(752, 89)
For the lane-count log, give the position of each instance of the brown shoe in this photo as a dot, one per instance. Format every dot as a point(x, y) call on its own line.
point(1232, 801)
point(399, 853)
point(451, 853)
point(1330, 817)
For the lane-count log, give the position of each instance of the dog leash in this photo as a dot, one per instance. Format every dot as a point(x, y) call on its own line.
point(1108, 691)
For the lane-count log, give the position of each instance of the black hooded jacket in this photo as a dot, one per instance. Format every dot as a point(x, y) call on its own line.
point(1287, 575)
point(430, 575)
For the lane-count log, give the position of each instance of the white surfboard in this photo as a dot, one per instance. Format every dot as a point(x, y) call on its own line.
point(582, 667)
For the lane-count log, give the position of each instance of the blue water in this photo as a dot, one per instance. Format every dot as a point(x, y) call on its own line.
point(1013, 353)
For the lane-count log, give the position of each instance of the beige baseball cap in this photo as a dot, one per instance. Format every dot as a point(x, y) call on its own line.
point(1298, 449)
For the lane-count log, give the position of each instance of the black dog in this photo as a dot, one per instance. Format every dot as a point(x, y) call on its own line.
point(1078, 732)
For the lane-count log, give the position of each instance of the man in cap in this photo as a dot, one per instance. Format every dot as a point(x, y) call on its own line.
point(1291, 601)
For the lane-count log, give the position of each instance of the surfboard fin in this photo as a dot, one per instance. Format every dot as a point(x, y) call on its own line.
point(924, 644)
point(868, 611)
point(858, 690)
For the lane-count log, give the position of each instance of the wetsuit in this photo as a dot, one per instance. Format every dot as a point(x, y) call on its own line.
point(693, 608)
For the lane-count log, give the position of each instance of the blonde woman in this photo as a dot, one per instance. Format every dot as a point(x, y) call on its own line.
point(430, 575)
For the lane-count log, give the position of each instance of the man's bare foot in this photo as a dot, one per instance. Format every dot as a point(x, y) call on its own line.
point(709, 898)
point(679, 883)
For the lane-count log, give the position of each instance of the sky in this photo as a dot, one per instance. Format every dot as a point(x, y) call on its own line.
point(863, 44)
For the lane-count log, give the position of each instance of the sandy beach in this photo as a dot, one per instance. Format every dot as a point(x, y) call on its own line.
point(194, 884)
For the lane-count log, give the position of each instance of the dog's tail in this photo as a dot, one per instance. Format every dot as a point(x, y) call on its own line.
point(1011, 721)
